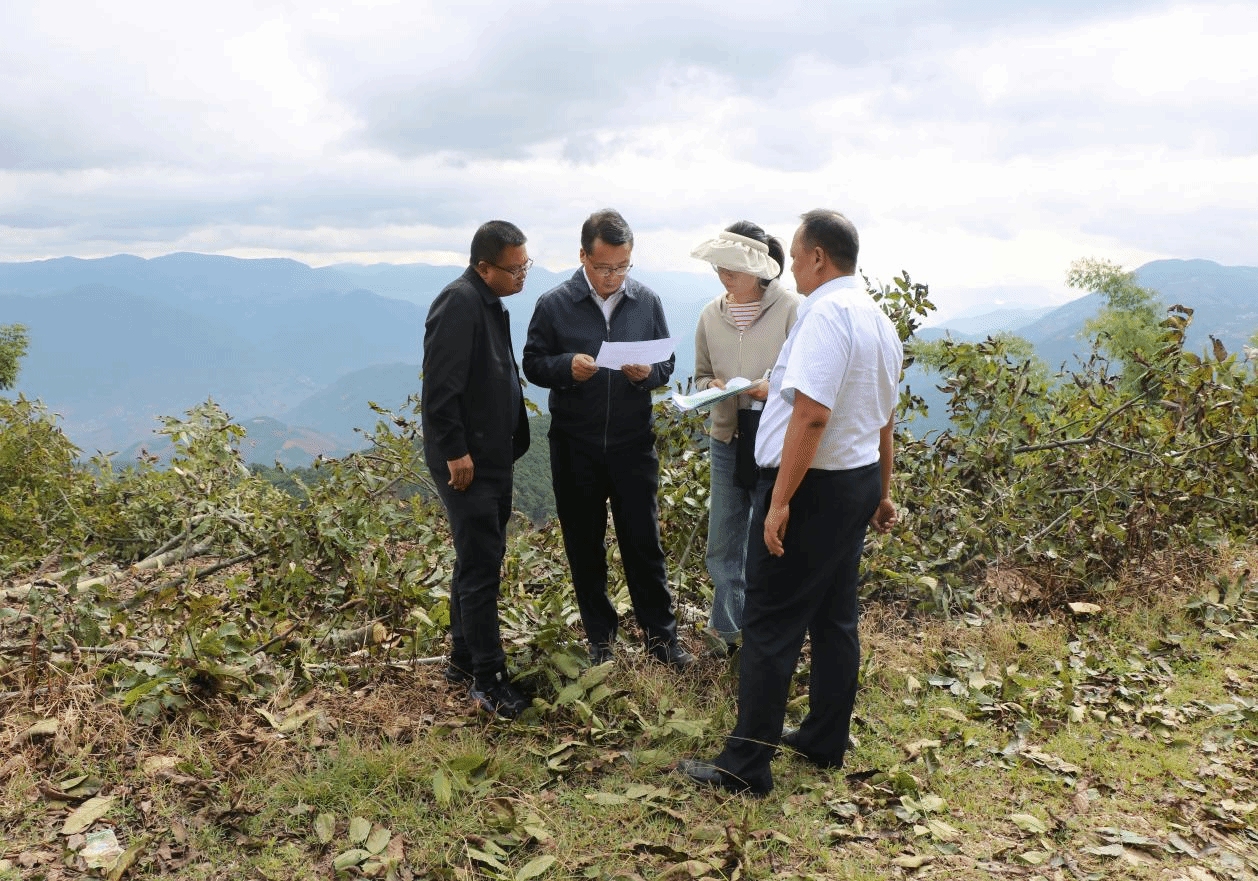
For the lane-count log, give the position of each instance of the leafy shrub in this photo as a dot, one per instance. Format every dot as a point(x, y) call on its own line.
point(1069, 478)
point(43, 491)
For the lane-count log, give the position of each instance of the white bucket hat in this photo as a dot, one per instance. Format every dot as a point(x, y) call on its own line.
point(738, 253)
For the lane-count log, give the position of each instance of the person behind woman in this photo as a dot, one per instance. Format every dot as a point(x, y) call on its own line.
point(739, 335)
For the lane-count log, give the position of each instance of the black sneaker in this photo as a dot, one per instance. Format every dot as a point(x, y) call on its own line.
point(498, 697)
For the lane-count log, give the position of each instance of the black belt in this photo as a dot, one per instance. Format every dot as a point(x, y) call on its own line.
point(772, 473)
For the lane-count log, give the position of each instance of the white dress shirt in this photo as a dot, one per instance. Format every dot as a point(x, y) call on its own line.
point(845, 354)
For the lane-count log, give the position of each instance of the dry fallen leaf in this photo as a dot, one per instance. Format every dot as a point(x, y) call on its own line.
point(87, 813)
point(378, 840)
point(359, 829)
point(157, 764)
point(325, 827)
point(950, 713)
point(1029, 823)
point(42, 728)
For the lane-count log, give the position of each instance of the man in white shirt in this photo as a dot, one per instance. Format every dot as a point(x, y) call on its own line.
point(825, 454)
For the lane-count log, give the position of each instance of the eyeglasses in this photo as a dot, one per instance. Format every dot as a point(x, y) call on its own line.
point(610, 271)
point(518, 272)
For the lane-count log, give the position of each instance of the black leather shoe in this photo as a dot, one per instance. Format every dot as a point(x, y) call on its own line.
point(707, 774)
point(498, 697)
point(600, 654)
point(790, 740)
point(673, 655)
point(458, 675)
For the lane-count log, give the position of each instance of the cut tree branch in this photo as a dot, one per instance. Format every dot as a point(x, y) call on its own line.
point(154, 561)
point(1078, 441)
point(196, 575)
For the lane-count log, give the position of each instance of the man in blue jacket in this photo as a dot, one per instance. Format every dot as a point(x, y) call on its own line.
point(475, 427)
point(602, 445)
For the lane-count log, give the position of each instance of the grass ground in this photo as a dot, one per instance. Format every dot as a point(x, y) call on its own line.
point(1115, 742)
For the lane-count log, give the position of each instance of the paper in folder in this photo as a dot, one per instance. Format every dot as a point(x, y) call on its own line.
point(712, 395)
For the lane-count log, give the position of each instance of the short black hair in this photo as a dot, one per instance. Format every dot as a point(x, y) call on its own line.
point(492, 239)
point(755, 231)
point(607, 225)
point(834, 234)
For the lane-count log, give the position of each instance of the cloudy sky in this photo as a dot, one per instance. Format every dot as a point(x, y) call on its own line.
point(981, 145)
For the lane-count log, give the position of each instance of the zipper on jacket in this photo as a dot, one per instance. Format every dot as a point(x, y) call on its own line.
point(607, 409)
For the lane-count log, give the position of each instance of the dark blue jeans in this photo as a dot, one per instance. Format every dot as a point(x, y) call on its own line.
point(811, 588)
point(478, 522)
point(586, 479)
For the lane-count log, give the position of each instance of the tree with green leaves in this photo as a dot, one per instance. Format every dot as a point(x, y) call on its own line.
point(13, 341)
point(1004, 365)
point(1128, 328)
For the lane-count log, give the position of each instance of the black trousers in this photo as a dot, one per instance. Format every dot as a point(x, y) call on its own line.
point(478, 522)
point(811, 588)
point(586, 478)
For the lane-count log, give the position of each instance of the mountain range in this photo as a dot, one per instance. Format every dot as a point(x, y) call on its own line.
point(1224, 300)
point(296, 353)
point(117, 342)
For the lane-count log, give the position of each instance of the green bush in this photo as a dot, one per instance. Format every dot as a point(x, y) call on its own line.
point(43, 491)
point(1069, 478)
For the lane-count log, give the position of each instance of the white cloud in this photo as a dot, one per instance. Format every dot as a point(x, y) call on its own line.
point(975, 144)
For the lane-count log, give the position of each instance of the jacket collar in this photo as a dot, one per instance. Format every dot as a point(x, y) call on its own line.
point(579, 288)
point(488, 297)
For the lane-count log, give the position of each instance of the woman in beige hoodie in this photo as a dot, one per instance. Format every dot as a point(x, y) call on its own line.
point(739, 335)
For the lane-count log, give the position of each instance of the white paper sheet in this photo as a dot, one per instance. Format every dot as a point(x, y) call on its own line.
point(712, 395)
point(617, 355)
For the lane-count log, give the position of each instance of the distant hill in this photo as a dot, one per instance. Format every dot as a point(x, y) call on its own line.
point(343, 405)
point(1224, 300)
point(267, 441)
point(111, 360)
point(118, 341)
point(981, 324)
point(297, 351)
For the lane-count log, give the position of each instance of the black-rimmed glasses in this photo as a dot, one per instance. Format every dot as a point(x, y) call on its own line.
point(518, 272)
point(610, 271)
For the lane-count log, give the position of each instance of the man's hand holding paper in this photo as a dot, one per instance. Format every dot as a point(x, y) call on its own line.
point(616, 355)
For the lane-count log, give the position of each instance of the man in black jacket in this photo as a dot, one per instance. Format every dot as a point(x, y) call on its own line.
point(602, 446)
point(475, 427)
